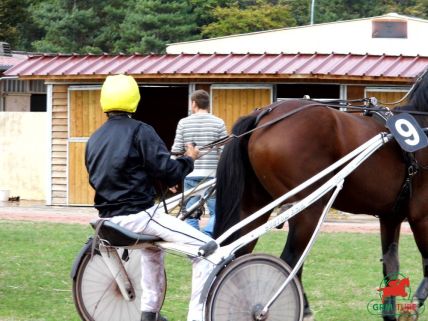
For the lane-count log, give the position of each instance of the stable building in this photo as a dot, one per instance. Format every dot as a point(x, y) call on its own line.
point(237, 82)
point(390, 34)
point(19, 95)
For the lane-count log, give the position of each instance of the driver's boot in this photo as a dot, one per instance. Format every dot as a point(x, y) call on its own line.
point(152, 316)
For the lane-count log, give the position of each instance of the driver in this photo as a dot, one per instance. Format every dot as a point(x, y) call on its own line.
point(122, 158)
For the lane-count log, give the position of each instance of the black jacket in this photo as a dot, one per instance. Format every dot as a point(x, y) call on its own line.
point(122, 157)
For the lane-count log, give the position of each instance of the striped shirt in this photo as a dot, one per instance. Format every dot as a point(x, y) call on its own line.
point(202, 129)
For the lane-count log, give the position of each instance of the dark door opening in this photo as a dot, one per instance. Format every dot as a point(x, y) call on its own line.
point(162, 107)
point(317, 91)
point(38, 102)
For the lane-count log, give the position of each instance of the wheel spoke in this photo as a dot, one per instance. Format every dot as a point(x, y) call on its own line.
point(247, 284)
point(97, 295)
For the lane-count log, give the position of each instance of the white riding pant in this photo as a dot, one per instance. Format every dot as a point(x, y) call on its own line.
point(171, 229)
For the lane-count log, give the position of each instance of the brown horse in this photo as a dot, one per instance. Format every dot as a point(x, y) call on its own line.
point(270, 161)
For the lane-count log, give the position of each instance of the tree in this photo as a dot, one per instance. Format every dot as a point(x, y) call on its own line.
point(154, 23)
point(300, 10)
point(88, 26)
point(257, 17)
point(336, 10)
point(109, 32)
point(203, 10)
point(148, 25)
point(12, 13)
point(419, 9)
point(69, 26)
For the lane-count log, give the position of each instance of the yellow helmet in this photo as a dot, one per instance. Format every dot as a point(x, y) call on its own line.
point(121, 93)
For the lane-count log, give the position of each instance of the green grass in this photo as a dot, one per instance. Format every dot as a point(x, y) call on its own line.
point(341, 274)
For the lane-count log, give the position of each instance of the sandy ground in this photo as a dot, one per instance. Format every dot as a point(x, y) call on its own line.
point(36, 211)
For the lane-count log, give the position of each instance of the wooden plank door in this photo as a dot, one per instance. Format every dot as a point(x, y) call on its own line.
point(85, 117)
point(231, 103)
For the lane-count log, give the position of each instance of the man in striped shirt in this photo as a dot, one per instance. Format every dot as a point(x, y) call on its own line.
point(201, 128)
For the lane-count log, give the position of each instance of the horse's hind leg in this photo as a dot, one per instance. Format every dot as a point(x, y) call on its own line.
point(390, 234)
point(301, 228)
point(420, 232)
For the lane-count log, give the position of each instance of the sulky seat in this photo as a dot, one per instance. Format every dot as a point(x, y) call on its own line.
point(119, 236)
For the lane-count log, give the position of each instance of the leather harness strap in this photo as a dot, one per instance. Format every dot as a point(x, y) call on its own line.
point(381, 114)
point(224, 140)
point(412, 168)
point(379, 111)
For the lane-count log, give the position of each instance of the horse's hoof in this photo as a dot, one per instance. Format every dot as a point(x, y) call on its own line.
point(309, 317)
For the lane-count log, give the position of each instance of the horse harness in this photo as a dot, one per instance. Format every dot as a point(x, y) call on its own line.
point(411, 164)
point(379, 114)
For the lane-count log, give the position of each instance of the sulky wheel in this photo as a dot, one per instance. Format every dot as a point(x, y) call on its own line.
point(96, 294)
point(247, 284)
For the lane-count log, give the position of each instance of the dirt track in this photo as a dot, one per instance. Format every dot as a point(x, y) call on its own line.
point(83, 215)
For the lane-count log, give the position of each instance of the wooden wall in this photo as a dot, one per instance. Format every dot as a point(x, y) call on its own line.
point(69, 177)
point(230, 104)
point(355, 92)
point(59, 144)
point(387, 98)
point(85, 113)
point(85, 117)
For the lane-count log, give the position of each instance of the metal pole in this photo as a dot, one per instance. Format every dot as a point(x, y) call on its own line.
point(312, 11)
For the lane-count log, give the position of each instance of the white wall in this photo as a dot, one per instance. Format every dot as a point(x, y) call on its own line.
point(17, 102)
point(23, 154)
point(351, 36)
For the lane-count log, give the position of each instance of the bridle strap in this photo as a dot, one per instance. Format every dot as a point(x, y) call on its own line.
point(276, 120)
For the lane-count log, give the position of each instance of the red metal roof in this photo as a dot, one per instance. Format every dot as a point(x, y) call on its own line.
point(8, 61)
point(351, 65)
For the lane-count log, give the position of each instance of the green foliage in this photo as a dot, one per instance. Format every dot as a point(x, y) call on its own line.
point(11, 12)
point(300, 10)
point(335, 10)
point(154, 23)
point(345, 10)
point(258, 17)
point(420, 9)
point(145, 26)
point(79, 26)
point(66, 28)
point(109, 32)
point(203, 10)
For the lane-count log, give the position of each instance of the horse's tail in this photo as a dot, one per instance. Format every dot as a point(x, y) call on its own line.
point(231, 172)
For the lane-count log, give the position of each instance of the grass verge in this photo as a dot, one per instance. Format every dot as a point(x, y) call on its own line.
point(341, 274)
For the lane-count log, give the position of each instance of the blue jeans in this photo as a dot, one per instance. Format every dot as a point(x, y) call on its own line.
point(190, 183)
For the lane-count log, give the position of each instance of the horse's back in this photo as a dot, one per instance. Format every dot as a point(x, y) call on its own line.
point(301, 145)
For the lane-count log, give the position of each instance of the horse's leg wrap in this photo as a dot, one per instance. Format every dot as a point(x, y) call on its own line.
point(390, 309)
point(421, 293)
point(390, 261)
point(391, 266)
point(307, 312)
point(305, 302)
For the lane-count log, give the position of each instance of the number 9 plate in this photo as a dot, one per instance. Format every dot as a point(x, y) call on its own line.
point(407, 132)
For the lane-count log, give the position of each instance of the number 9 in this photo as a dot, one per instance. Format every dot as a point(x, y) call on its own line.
point(406, 129)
